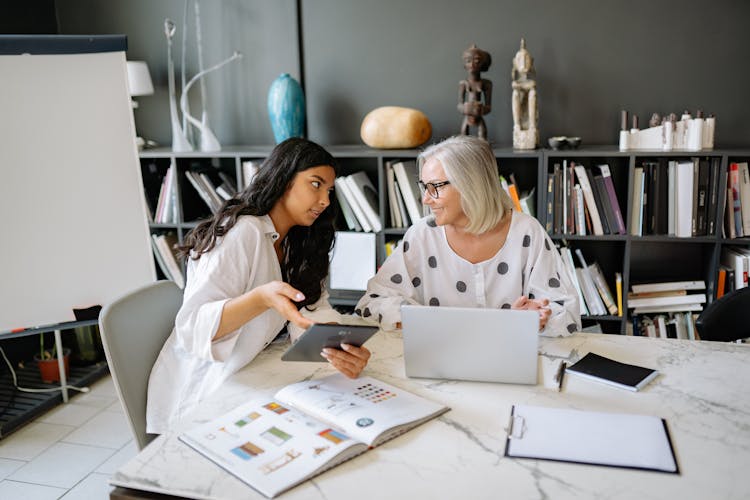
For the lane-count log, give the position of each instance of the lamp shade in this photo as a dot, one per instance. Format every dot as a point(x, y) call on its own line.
point(139, 79)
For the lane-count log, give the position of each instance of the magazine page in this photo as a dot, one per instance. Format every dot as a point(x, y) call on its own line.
point(365, 408)
point(270, 446)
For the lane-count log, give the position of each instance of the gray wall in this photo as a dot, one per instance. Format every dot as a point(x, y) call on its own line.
point(264, 31)
point(592, 59)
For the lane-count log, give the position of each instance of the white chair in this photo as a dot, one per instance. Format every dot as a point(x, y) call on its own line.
point(133, 329)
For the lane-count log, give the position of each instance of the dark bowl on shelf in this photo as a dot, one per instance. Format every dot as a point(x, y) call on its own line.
point(573, 142)
point(557, 142)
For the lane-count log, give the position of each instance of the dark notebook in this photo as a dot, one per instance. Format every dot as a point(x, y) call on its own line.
point(612, 372)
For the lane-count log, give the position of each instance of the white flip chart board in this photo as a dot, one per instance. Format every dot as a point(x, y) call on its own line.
point(74, 230)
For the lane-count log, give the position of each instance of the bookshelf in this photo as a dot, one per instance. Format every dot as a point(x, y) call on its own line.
point(655, 257)
point(638, 258)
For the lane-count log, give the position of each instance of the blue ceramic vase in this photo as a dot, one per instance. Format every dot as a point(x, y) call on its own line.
point(286, 108)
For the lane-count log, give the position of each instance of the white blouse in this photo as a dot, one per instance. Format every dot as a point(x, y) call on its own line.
point(191, 365)
point(424, 270)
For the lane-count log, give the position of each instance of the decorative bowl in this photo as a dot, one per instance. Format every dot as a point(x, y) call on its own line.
point(558, 142)
point(573, 142)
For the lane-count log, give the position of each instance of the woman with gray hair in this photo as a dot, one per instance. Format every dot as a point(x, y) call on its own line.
point(474, 250)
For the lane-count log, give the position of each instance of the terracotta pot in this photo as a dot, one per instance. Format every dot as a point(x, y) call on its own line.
point(49, 370)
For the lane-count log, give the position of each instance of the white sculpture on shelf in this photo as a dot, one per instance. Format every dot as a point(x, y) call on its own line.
point(524, 100)
point(183, 136)
point(668, 133)
point(179, 141)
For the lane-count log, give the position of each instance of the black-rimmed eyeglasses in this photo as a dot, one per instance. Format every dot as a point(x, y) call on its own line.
point(432, 188)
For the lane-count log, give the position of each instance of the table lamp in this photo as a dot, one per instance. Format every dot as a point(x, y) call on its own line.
point(139, 83)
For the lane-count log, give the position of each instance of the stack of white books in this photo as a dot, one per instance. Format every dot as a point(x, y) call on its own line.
point(667, 297)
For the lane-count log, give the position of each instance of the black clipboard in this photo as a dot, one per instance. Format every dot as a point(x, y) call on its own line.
point(320, 336)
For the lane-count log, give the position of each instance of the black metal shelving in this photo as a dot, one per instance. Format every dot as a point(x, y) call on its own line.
point(18, 408)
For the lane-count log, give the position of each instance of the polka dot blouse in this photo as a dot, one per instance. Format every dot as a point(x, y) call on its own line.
point(424, 270)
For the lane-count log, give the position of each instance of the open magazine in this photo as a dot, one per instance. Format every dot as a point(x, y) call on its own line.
point(311, 426)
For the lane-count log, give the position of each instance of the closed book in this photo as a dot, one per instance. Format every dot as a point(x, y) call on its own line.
point(513, 192)
point(558, 209)
point(695, 298)
point(648, 196)
point(367, 197)
point(598, 200)
point(745, 196)
point(393, 208)
point(659, 207)
point(670, 308)
point(720, 282)
point(636, 203)
point(343, 186)
point(694, 219)
point(603, 288)
point(702, 198)
point(588, 195)
point(729, 227)
point(734, 183)
point(713, 195)
point(549, 203)
point(351, 220)
point(407, 177)
point(569, 265)
point(603, 197)
point(669, 285)
point(672, 166)
point(684, 199)
point(615, 373)
point(612, 198)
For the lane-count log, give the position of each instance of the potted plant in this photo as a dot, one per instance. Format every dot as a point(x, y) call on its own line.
point(47, 361)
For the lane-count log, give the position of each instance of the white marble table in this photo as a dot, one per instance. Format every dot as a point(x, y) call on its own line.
point(703, 392)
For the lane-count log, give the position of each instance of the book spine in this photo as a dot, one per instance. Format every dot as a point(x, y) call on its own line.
point(550, 203)
point(713, 196)
point(588, 195)
point(612, 197)
point(734, 179)
point(702, 199)
point(744, 182)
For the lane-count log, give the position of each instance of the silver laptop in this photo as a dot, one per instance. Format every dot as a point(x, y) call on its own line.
point(462, 343)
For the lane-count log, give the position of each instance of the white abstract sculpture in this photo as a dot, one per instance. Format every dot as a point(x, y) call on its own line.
point(208, 141)
point(183, 136)
point(179, 141)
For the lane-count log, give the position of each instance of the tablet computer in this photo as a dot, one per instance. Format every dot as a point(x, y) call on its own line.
point(319, 336)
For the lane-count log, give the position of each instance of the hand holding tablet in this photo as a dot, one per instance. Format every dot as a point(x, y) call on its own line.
point(319, 336)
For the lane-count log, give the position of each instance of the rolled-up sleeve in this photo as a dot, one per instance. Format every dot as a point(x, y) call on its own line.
point(217, 276)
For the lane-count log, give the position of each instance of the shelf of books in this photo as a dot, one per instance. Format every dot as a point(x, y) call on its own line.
point(671, 222)
point(633, 218)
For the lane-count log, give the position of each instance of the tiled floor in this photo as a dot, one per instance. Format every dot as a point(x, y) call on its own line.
point(70, 451)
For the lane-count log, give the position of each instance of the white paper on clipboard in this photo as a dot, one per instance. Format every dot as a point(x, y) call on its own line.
point(613, 439)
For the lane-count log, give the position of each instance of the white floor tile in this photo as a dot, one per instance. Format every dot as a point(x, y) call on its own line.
point(74, 414)
point(116, 406)
point(117, 460)
point(93, 486)
point(106, 429)
point(94, 400)
point(7, 467)
point(63, 465)
point(33, 439)
point(26, 491)
point(104, 387)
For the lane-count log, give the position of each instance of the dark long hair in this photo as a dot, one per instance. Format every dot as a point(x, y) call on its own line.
point(306, 249)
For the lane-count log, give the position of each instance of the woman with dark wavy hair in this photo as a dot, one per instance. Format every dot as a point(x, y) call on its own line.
point(251, 268)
